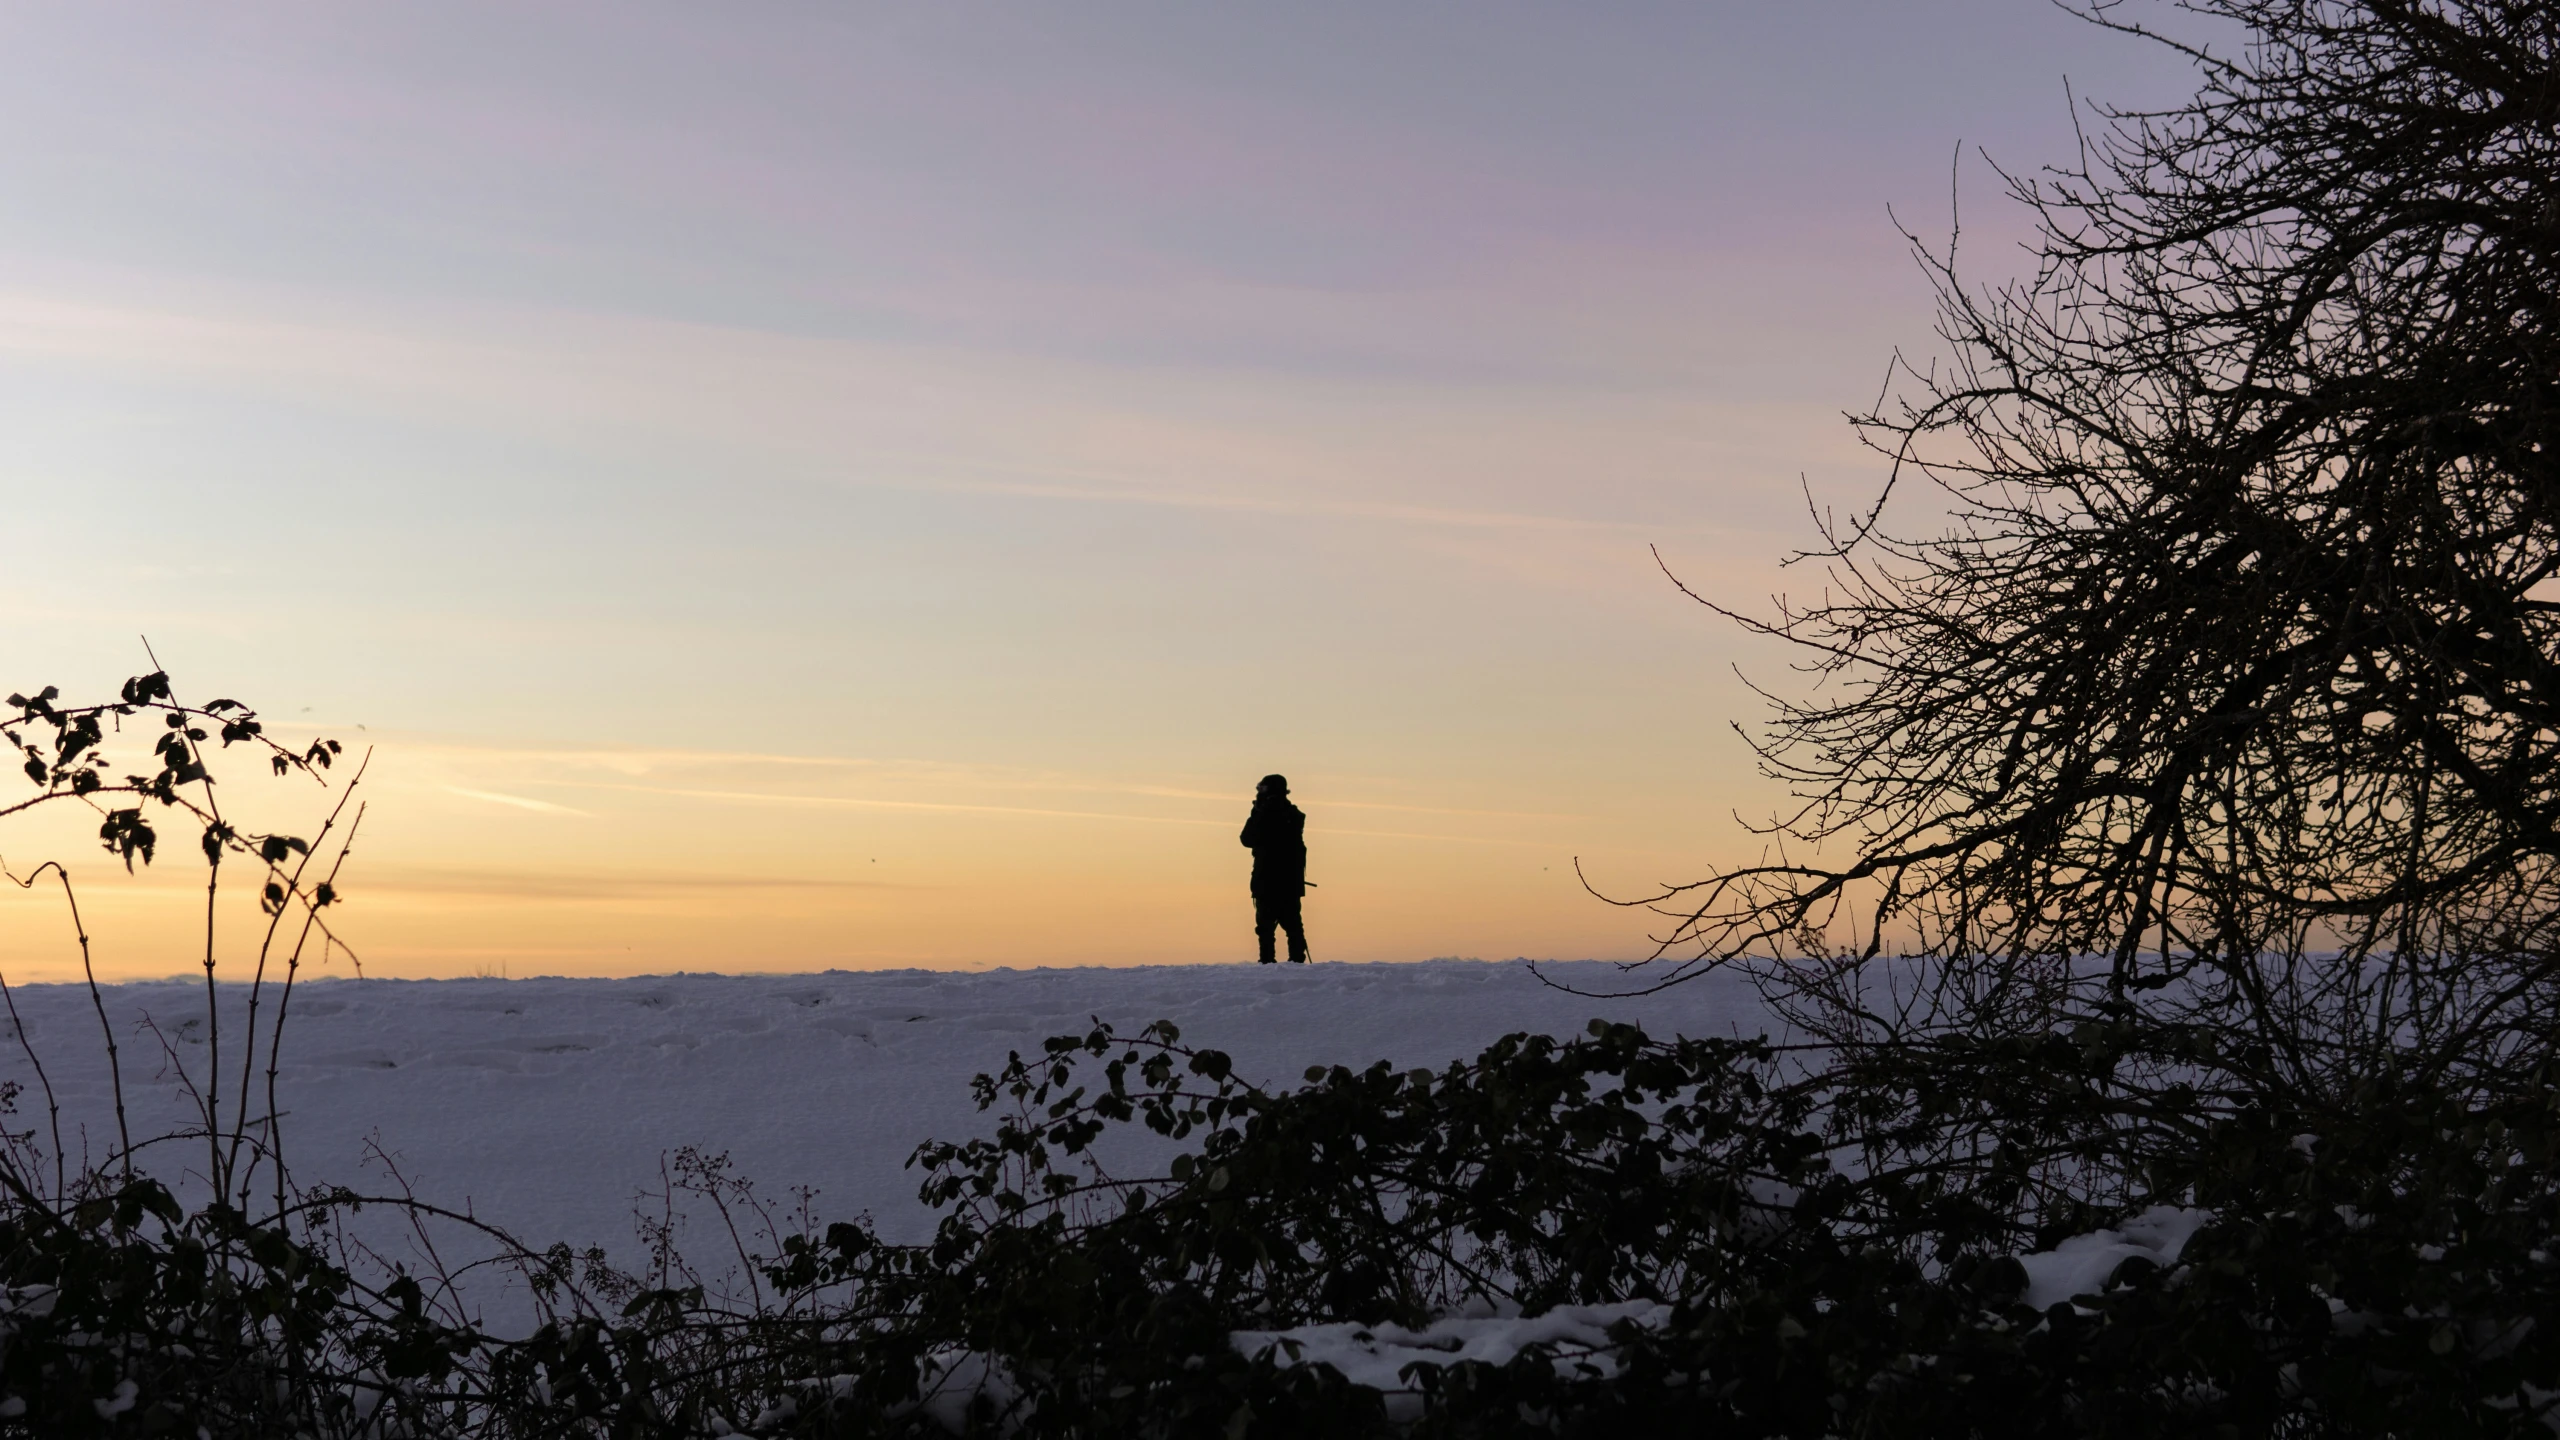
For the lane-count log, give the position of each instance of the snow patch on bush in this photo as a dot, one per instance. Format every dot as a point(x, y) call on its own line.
point(953, 1381)
point(2081, 1264)
point(1376, 1356)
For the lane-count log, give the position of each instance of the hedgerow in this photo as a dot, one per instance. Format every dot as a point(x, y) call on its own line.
point(2376, 1269)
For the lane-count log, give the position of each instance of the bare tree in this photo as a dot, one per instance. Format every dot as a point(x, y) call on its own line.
point(2218, 682)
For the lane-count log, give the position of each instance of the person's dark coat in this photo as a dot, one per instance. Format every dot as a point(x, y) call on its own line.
point(1276, 833)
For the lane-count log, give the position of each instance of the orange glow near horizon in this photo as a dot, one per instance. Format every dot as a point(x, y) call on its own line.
point(780, 488)
point(480, 861)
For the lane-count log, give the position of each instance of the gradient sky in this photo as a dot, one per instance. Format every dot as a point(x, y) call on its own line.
point(785, 486)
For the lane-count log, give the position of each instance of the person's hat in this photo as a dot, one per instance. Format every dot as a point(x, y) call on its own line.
point(1274, 782)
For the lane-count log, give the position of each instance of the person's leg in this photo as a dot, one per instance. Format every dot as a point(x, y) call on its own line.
point(1265, 917)
point(1295, 922)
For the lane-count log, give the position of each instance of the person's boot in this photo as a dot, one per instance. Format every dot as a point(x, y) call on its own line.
point(1266, 950)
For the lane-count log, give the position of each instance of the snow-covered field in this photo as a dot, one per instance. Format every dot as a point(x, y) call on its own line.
point(546, 1105)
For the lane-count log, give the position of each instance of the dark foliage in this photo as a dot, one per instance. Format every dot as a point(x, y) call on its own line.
point(2380, 1277)
point(2383, 1273)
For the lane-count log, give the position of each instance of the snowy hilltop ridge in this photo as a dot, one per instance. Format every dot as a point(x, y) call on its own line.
point(546, 1105)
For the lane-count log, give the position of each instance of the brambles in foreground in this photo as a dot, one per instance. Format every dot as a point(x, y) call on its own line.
point(71, 763)
point(67, 761)
point(1829, 1270)
point(2369, 1269)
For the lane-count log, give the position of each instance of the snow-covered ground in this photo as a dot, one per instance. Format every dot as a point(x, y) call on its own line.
point(546, 1105)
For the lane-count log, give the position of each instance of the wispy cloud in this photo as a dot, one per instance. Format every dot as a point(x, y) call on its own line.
point(520, 802)
point(855, 802)
point(1417, 835)
point(785, 394)
point(543, 885)
point(1232, 797)
point(1303, 505)
point(639, 763)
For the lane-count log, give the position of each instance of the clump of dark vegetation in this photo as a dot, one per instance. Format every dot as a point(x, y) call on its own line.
point(2188, 791)
point(1819, 1273)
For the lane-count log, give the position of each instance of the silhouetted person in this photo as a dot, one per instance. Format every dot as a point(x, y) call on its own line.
point(1276, 833)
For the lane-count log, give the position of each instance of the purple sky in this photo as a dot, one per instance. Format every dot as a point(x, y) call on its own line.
point(801, 485)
